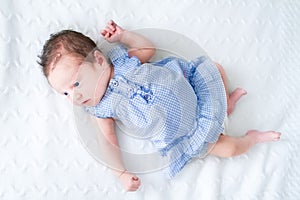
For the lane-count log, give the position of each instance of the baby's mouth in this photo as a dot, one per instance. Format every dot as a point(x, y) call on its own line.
point(85, 102)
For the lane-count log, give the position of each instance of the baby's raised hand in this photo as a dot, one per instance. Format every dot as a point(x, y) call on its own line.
point(112, 32)
point(130, 181)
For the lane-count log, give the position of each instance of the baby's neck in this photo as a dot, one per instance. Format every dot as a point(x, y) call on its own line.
point(111, 71)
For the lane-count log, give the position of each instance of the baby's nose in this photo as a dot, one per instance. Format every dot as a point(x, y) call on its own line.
point(77, 97)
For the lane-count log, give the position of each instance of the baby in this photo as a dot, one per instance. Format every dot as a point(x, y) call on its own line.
point(180, 106)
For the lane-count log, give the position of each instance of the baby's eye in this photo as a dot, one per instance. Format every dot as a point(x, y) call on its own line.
point(76, 84)
point(65, 93)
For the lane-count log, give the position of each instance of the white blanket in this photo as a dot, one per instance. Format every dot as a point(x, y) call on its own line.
point(42, 156)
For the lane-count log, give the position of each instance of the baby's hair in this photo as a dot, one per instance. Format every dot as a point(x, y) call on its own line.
point(67, 41)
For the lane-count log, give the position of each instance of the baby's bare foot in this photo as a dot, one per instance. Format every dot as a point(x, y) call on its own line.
point(259, 136)
point(234, 97)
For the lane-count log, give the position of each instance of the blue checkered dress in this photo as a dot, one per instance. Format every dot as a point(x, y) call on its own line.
point(180, 106)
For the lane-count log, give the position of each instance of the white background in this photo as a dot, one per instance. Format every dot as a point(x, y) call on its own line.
point(257, 42)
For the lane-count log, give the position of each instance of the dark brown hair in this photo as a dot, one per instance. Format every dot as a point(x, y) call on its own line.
point(68, 41)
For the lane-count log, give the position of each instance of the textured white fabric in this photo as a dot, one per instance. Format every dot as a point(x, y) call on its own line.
point(256, 41)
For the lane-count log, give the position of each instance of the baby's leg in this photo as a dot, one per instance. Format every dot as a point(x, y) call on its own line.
point(234, 96)
point(227, 146)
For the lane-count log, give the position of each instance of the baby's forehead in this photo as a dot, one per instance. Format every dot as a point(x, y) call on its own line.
point(64, 71)
point(66, 63)
point(66, 60)
point(71, 57)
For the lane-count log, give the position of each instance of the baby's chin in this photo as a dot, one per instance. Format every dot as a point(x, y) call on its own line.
point(93, 102)
point(88, 103)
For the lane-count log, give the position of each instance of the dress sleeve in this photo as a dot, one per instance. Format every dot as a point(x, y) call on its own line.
point(120, 58)
point(103, 109)
point(90, 110)
point(118, 54)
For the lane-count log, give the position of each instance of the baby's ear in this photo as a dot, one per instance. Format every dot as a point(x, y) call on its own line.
point(98, 57)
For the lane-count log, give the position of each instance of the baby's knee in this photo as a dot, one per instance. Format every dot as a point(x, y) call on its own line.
point(220, 68)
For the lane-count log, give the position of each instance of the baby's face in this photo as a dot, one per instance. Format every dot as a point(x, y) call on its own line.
point(84, 83)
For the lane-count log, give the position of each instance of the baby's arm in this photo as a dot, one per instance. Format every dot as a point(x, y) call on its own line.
point(139, 46)
point(113, 156)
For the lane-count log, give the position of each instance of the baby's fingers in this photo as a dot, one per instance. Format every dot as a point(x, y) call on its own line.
point(111, 24)
point(135, 178)
point(112, 32)
point(111, 27)
point(105, 34)
point(135, 183)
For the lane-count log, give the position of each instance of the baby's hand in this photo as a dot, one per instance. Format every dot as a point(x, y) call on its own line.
point(112, 32)
point(130, 181)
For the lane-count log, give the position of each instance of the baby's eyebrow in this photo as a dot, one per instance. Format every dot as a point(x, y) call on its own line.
point(79, 64)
